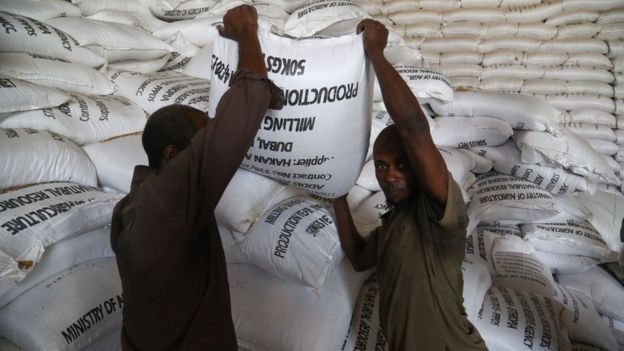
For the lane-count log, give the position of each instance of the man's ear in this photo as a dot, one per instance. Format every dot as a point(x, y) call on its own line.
point(169, 152)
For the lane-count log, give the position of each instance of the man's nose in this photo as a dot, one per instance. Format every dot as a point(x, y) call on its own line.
point(393, 175)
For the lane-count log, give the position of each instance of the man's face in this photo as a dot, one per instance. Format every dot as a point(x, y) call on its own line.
point(393, 170)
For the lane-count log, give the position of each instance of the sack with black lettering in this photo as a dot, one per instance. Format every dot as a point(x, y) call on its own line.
point(499, 197)
point(364, 332)
point(115, 160)
point(569, 238)
point(35, 217)
point(183, 54)
point(605, 291)
point(521, 112)
point(20, 95)
point(297, 240)
point(56, 73)
point(564, 264)
point(514, 320)
point(423, 82)
point(477, 281)
point(318, 16)
point(156, 90)
point(172, 10)
point(318, 140)
point(41, 10)
point(301, 317)
point(565, 149)
point(113, 41)
point(516, 268)
point(58, 257)
point(67, 311)
point(24, 34)
point(84, 119)
point(467, 132)
point(583, 322)
point(607, 214)
point(556, 180)
point(367, 216)
point(30, 156)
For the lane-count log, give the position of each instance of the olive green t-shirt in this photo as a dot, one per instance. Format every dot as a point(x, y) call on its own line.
point(420, 279)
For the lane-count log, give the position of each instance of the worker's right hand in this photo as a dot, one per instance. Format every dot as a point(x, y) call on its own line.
point(375, 36)
point(239, 22)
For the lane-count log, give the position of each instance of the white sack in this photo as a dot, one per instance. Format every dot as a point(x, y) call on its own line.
point(36, 217)
point(572, 17)
point(605, 291)
point(308, 144)
point(56, 73)
point(563, 264)
point(30, 156)
point(357, 195)
point(367, 178)
point(522, 112)
point(607, 215)
point(200, 32)
point(569, 238)
point(521, 321)
point(498, 197)
point(506, 158)
point(145, 21)
point(81, 304)
point(172, 10)
point(365, 332)
point(23, 34)
point(59, 257)
point(113, 41)
point(318, 15)
point(423, 82)
point(20, 95)
point(84, 119)
point(481, 164)
point(156, 90)
point(591, 131)
point(516, 268)
point(581, 101)
point(115, 160)
point(583, 322)
point(40, 10)
point(183, 54)
point(89, 7)
point(139, 66)
point(296, 240)
point(567, 150)
point(591, 117)
point(367, 215)
point(606, 148)
point(244, 200)
point(467, 132)
point(477, 281)
point(277, 315)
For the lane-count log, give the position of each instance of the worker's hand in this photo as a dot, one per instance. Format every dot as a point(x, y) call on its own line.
point(375, 36)
point(239, 22)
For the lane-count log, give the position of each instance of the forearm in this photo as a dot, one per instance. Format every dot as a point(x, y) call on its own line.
point(399, 100)
point(250, 53)
point(351, 242)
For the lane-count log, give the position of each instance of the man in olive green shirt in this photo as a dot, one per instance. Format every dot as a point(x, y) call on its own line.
point(420, 246)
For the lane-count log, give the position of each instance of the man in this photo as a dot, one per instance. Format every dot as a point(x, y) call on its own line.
point(169, 254)
point(420, 246)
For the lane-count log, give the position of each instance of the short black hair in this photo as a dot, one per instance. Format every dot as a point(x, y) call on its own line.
point(169, 125)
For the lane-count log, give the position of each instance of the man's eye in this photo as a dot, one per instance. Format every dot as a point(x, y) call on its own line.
point(380, 167)
point(402, 166)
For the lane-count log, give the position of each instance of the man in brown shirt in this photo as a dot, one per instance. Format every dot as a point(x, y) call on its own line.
point(420, 246)
point(169, 254)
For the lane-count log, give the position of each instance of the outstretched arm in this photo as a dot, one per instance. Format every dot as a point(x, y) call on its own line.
point(361, 253)
point(425, 159)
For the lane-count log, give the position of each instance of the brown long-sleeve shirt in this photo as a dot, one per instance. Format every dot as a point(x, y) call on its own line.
point(164, 233)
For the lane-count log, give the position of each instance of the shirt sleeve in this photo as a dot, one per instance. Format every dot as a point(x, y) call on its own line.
point(189, 187)
point(454, 219)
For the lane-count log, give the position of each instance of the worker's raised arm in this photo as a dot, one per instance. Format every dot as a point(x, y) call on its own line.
point(425, 159)
point(361, 253)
